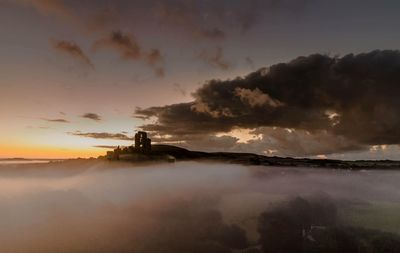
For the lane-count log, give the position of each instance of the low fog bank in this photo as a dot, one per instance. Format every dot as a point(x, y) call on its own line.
point(87, 206)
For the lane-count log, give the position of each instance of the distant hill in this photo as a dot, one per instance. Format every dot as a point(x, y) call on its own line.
point(160, 152)
point(177, 152)
point(17, 159)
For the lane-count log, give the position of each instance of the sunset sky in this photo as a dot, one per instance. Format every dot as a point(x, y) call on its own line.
point(78, 76)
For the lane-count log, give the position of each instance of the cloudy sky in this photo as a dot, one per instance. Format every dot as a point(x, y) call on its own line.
point(306, 78)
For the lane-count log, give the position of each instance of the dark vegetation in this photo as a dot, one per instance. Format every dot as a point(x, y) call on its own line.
point(311, 226)
point(188, 229)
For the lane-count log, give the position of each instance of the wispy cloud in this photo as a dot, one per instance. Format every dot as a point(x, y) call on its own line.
point(125, 44)
point(102, 135)
point(190, 17)
point(105, 146)
point(92, 116)
point(53, 7)
point(215, 57)
point(249, 61)
point(154, 57)
point(128, 48)
point(72, 49)
point(37, 127)
point(178, 88)
point(56, 120)
point(214, 33)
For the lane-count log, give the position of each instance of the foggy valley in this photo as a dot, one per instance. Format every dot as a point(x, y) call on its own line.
point(199, 126)
point(94, 206)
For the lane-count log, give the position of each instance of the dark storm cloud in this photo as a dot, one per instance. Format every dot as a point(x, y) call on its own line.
point(354, 97)
point(92, 116)
point(272, 141)
point(291, 142)
point(215, 57)
point(102, 135)
point(73, 50)
point(56, 120)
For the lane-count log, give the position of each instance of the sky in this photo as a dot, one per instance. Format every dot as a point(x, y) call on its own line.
point(306, 78)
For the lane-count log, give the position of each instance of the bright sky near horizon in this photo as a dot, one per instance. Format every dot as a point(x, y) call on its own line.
point(75, 73)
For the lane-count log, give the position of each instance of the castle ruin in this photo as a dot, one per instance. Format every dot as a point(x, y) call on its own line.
point(142, 143)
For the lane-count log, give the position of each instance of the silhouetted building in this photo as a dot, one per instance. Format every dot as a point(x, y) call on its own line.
point(142, 143)
point(139, 151)
point(114, 155)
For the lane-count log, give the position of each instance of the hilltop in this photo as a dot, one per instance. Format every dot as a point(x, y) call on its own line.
point(170, 153)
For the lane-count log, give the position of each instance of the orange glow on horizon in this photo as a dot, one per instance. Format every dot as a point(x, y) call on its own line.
point(50, 152)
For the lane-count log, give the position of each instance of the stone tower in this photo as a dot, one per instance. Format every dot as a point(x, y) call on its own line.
point(142, 143)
